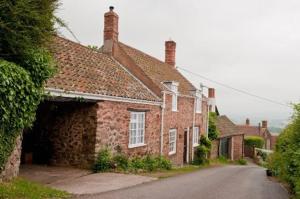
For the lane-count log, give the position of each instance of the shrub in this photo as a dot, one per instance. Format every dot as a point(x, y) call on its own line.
point(241, 161)
point(201, 152)
point(163, 163)
point(285, 161)
point(150, 164)
point(121, 161)
point(104, 161)
point(136, 164)
point(254, 141)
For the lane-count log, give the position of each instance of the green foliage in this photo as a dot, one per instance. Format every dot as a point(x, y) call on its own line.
point(213, 132)
point(104, 161)
point(254, 141)
point(241, 161)
point(201, 152)
point(24, 25)
point(20, 188)
point(149, 163)
point(121, 161)
point(285, 161)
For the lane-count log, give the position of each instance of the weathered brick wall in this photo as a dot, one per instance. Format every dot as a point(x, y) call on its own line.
point(70, 128)
point(214, 152)
point(238, 143)
point(11, 168)
point(181, 120)
point(113, 127)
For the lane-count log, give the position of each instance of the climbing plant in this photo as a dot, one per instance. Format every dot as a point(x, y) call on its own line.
point(26, 28)
point(213, 132)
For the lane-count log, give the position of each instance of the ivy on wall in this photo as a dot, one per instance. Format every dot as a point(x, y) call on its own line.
point(213, 132)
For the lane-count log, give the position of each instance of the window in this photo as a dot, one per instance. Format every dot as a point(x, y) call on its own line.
point(174, 88)
point(196, 136)
point(198, 105)
point(137, 129)
point(172, 141)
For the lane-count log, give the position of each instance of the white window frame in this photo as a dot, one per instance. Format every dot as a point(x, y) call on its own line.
point(196, 135)
point(174, 88)
point(172, 141)
point(198, 104)
point(137, 129)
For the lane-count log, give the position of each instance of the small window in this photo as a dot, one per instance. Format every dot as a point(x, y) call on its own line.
point(198, 105)
point(137, 129)
point(196, 136)
point(174, 89)
point(172, 141)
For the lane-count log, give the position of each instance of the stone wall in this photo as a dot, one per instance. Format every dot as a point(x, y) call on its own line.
point(214, 152)
point(11, 168)
point(113, 120)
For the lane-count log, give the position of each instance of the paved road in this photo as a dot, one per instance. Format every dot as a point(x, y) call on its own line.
point(230, 182)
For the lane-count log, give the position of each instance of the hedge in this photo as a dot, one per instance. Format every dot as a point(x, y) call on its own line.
point(254, 141)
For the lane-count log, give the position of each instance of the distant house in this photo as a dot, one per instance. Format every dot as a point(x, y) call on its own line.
point(260, 130)
point(116, 97)
point(230, 143)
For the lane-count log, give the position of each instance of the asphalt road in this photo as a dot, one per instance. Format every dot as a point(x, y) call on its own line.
point(229, 182)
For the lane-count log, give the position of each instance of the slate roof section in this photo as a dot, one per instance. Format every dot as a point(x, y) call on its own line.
point(157, 70)
point(82, 69)
point(226, 127)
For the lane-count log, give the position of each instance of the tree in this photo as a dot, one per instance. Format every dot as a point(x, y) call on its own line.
point(26, 28)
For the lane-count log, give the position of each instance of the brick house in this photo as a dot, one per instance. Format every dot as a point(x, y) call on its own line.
point(230, 142)
point(116, 97)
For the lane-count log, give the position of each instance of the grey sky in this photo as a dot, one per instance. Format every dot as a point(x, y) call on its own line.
point(252, 45)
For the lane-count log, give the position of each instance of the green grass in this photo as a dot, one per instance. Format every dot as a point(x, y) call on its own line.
point(21, 188)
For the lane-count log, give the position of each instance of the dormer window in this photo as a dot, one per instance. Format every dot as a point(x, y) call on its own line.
point(174, 89)
point(198, 103)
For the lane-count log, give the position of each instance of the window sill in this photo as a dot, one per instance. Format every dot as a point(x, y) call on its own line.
point(198, 112)
point(195, 145)
point(172, 153)
point(175, 111)
point(135, 145)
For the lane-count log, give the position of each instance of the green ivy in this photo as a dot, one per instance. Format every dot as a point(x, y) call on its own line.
point(19, 98)
point(213, 132)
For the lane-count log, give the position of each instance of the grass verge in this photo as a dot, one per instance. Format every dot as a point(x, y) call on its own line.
point(21, 188)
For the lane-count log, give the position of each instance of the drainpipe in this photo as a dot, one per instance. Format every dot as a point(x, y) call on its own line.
point(193, 128)
point(207, 121)
point(162, 124)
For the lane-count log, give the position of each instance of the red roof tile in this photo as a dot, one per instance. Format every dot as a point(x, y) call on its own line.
point(226, 127)
point(85, 70)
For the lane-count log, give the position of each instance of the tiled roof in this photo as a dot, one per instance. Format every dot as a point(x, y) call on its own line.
point(250, 130)
point(157, 70)
point(226, 127)
point(85, 70)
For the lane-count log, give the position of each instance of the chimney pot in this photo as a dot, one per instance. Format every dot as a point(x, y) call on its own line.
point(170, 52)
point(264, 124)
point(248, 122)
point(211, 93)
point(111, 8)
point(111, 23)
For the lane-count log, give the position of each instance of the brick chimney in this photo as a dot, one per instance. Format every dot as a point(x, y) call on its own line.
point(264, 124)
point(211, 100)
point(247, 122)
point(170, 52)
point(111, 26)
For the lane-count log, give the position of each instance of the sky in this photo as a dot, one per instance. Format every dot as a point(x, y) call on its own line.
point(250, 45)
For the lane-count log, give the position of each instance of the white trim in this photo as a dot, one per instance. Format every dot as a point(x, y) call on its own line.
point(130, 146)
point(136, 122)
point(175, 144)
point(194, 131)
point(90, 96)
point(188, 145)
point(162, 124)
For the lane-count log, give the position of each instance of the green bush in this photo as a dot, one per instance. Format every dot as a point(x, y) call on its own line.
point(285, 161)
point(163, 163)
point(104, 161)
point(136, 164)
point(254, 141)
point(201, 152)
point(241, 161)
point(121, 161)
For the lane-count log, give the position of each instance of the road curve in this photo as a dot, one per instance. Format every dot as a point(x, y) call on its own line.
point(228, 182)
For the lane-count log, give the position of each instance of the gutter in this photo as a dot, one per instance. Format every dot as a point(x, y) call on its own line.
point(96, 97)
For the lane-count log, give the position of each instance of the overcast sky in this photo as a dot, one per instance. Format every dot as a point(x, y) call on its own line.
point(252, 45)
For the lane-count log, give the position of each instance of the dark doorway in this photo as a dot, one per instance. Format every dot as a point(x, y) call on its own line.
point(224, 147)
point(185, 147)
